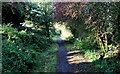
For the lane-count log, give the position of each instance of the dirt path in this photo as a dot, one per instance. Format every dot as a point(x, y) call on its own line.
point(72, 61)
point(63, 65)
point(80, 62)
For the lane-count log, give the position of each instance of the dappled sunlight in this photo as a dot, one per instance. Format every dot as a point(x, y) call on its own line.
point(81, 63)
point(73, 51)
point(76, 57)
point(76, 60)
point(64, 31)
point(60, 37)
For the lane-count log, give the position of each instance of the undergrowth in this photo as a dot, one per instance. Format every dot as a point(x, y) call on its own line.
point(25, 51)
point(92, 51)
point(49, 59)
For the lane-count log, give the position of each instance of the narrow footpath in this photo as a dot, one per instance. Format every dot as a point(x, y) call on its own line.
point(72, 61)
point(63, 65)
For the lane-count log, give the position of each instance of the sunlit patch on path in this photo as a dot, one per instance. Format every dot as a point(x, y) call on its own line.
point(72, 61)
point(76, 57)
point(79, 61)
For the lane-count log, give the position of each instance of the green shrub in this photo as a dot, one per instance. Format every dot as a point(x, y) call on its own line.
point(25, 37)
point(58, 32)
point(17, 58)
point(21, 50)
point(71, 39)
point(108, 65)
point(85, 45)
point(91, 48)
point(90, 54)
point(53, 32)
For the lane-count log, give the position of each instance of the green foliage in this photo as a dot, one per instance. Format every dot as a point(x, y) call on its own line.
point(58, 32)
point(90, 54)
point(17, 58)
point(25, 47)
point(40, 14)
point(14, 12)
point(97, 25)
point(98, 19)
point(91, 51)
point(53, 33)
point(108, 65)
point(32, 39)
point(111, 47)
point(85, 45)
point(71, 39)
point(50, 59)
point(89, 47)
point(21, 49)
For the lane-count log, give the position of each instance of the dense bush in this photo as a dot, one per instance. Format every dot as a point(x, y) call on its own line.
point(21, 49)
point(39, 14)
point(17, 58)
point(28, 38)
point(24, 46)
point(71, 39)
point(87, 44)
point(16, 11)
point(108, 65)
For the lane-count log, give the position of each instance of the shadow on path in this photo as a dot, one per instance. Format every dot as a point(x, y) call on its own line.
point(63, 65)
point(72, 61)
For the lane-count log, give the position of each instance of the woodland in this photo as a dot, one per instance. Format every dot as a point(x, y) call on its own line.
point(30, 40)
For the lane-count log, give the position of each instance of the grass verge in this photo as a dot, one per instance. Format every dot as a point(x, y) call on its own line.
point(48, 59)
